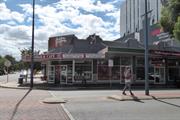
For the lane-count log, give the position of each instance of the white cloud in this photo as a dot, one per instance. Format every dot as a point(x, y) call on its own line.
point(14, 38)
point(7, 14)
point(56, 19)
point(87, 5)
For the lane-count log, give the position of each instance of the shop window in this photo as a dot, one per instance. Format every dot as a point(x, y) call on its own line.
point(140, 73)
point(69, 74)
point(103, 72)
point(126, 61)
point(140, 61)
point(102, 62)
point(116, 61)
point(172, 62)
point(94, 66)
point(83, 70)
point(115, 73)
point(173, 73)
point(51, 74)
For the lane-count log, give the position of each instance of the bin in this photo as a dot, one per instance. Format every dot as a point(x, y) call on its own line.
point(20, 80)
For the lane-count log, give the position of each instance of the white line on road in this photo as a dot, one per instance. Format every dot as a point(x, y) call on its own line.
point(51, 94)
point(67, 112)
point(64, 108)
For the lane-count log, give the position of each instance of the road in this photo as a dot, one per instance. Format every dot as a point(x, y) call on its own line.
point(94, 105)
point(11, 77)
point(83, 105)
point(20, 104)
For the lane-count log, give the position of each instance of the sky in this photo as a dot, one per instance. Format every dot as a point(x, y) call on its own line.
point(55, 18)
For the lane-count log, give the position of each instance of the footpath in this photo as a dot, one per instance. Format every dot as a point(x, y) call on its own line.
point(138, 94)
point(19, 102)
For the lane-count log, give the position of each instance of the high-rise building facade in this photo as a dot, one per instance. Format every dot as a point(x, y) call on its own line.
point(132, 14)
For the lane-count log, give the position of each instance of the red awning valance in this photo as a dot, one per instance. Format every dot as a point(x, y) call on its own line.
point(167, 53)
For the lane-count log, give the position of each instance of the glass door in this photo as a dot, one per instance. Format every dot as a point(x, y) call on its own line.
point(51, 74)
point(63, 74)
point(159, 75)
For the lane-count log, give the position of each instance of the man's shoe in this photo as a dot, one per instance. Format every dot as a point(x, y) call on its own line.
point(124, 93)
point(131, 93)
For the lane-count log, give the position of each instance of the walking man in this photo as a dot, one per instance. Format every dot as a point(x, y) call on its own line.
point(128, 80)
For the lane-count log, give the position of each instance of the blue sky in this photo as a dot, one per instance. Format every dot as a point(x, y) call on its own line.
point(55, 17)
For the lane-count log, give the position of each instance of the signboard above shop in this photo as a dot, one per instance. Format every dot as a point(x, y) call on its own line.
point(62, 56)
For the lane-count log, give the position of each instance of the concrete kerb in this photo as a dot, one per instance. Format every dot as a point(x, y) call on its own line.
point(137, 98)
point(12, 86)
point(37, 87)
point(54, 100)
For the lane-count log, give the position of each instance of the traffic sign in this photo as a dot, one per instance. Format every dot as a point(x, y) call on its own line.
point(7, 63)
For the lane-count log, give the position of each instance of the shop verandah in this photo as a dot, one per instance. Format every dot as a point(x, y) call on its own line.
point(98, 68)
point(70, 60)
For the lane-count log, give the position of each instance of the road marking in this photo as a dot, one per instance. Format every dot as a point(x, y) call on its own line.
point(67, 112)
point(51, 94)
point(64, 108)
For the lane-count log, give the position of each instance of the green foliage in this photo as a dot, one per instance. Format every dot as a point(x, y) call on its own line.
point(2, 60)
point(10, 58)
point(169, 16)
point(177, 29)
point(26, 51)
point(174, 8)
point(27, 65)
point(165, 21)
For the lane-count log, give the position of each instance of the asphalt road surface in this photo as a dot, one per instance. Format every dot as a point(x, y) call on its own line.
point(94, 105)
point(13, 77)
point(21, 104)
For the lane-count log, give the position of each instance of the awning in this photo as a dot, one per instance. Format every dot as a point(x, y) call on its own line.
point(62, 56)
point(167, 53)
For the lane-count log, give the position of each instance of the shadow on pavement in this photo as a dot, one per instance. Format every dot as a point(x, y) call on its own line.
point(136, 99)
point(165, 102)
point(17, 105)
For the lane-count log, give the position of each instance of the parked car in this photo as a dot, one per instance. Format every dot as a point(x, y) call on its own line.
point(155, 77)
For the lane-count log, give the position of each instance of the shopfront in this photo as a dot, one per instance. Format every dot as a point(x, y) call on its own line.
point(74, 68)
point(90, 61)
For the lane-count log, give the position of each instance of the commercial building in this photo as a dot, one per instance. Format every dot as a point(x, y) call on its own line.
point(70, 60)
point(132, 12)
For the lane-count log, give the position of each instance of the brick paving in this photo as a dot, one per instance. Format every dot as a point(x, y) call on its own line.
point(26, 105)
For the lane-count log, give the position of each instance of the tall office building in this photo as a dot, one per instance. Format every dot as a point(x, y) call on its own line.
point(132, 14)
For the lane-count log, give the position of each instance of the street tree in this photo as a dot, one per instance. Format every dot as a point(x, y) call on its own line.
point(27, 51)
point(169, 16)
point(177, 29)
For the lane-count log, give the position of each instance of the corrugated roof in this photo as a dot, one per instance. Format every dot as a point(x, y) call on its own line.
point(81, 46)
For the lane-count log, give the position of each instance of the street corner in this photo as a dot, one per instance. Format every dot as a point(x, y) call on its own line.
point(116, 97)
point(9, 85)
point(54, 100)
point(166, 96)
point(12, 85)
point(129, 97)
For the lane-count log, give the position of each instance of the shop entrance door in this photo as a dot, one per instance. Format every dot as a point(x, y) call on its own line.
point(51, 74)
point(63, 74)
point(159, 75)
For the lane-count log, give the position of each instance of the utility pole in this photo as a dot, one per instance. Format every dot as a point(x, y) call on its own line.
point(146, 51)
point(32, 47)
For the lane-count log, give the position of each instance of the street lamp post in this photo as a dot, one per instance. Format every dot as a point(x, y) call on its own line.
point(146, 51)
point(32, 47)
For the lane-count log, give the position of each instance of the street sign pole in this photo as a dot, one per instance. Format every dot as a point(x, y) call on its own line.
point(110, 65)
point(146, 51)
point(7, 63)
point(32, 48)
point(7, 75)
